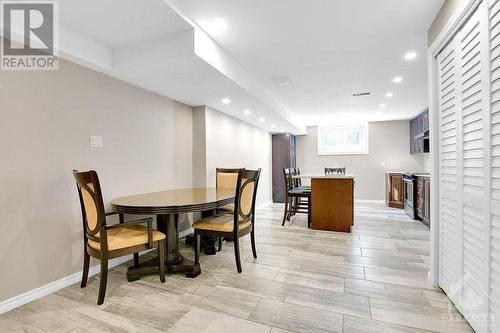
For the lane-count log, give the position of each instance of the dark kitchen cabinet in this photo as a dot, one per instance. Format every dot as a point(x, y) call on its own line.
point(423, 199)
point(419, 134)
point(426, 218)
point(425, 121)
point(395, 190)
point(283, 146)
point(413, 132)
point(420, 197)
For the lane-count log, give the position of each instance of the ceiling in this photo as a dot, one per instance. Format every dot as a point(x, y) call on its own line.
point(120, 22)
point(329, 49)
point(152, 46)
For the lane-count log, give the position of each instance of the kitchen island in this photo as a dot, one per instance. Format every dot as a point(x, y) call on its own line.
point(332, 202)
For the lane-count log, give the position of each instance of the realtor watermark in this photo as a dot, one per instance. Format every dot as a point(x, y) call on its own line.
point(30, 31)
point(473, 302)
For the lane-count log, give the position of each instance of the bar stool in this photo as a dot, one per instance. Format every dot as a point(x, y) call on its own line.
point(294, 193)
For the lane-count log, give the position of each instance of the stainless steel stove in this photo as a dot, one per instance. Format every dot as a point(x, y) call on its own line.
point(409, 194)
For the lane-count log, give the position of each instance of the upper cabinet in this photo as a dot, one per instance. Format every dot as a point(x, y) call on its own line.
point(419, 133)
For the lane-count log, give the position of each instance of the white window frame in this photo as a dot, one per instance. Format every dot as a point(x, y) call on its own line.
point(364, 151)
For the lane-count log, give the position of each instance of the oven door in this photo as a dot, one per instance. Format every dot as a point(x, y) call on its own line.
point(409, 196)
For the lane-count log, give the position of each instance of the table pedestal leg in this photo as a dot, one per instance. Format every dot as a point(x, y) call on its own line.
point(175, 262)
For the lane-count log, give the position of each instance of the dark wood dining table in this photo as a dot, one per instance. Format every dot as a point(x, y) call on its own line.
point(167, 205)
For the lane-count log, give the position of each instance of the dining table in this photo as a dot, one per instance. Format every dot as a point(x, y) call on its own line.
point(167, 206)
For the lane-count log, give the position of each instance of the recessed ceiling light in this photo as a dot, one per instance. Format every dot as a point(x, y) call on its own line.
point(216, 26)
point(226, 101)
point(379, 113)
point(273, 126)
point(247, 111)
point(262, 120)
point(397, 79)
point(389, 95)
point(282, 130)
point(382, 105)
point(410, 56)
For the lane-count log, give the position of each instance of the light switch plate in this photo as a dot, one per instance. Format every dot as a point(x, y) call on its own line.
point(96, 142)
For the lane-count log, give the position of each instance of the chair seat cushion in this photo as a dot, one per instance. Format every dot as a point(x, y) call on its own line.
point(127, 236)
point(221, 222)
point(227, 209)
point(304, 188)
point(298, 190)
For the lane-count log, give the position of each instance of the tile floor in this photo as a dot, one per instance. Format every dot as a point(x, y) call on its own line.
point(372, 280)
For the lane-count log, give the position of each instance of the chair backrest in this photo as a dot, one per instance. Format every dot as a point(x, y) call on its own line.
point(287, 175)
point(246, 193)
point(226, 178)
point(92, 205)
point(329, 171)
point(298, 181)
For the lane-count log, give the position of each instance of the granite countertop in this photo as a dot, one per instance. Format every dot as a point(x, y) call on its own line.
point(422, 175)
point(323, 176)
point(418, 174)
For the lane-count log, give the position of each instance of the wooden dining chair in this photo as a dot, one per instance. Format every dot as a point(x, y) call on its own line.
point(300, 201)
point(237, 225)
point(105, 242)
point(293, 197)
point(330, 171)
point(298, 181)
point(225, 178)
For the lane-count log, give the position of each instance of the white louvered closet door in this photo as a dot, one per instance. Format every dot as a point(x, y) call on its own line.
point(464, 167)
point(474, 49)
point(494, 274)
point(449, 104)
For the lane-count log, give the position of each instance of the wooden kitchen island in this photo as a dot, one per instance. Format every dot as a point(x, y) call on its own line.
point(332, 202)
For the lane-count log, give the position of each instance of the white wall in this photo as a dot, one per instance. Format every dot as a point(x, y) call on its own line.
point(446, 12)
point(46, 121)
point(231, 143)
point(199, 147)
point(389, 151)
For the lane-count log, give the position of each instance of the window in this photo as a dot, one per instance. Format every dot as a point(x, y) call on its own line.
point(343, 140)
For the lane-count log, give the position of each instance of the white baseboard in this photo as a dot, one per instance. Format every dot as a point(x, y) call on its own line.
point(370, 201)
point(186, 232)
point(66, 281)
point(52, 287)
point(265, 204)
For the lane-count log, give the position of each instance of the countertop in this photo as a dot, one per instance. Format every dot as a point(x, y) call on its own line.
point(323, 176)
point(422, 175)
point(418, 174)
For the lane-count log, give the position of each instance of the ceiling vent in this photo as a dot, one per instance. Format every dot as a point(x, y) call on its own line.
point(361, 94)
point(282, 81)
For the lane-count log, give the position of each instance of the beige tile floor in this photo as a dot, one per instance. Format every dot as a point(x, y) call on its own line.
point(372, 280)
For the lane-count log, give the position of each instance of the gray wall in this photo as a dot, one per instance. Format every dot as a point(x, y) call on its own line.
point(445, 13)
point(389, 151)
point(46, 121)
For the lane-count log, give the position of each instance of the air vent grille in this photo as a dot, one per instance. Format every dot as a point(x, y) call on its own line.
point(283, 81)
point(361, 94)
